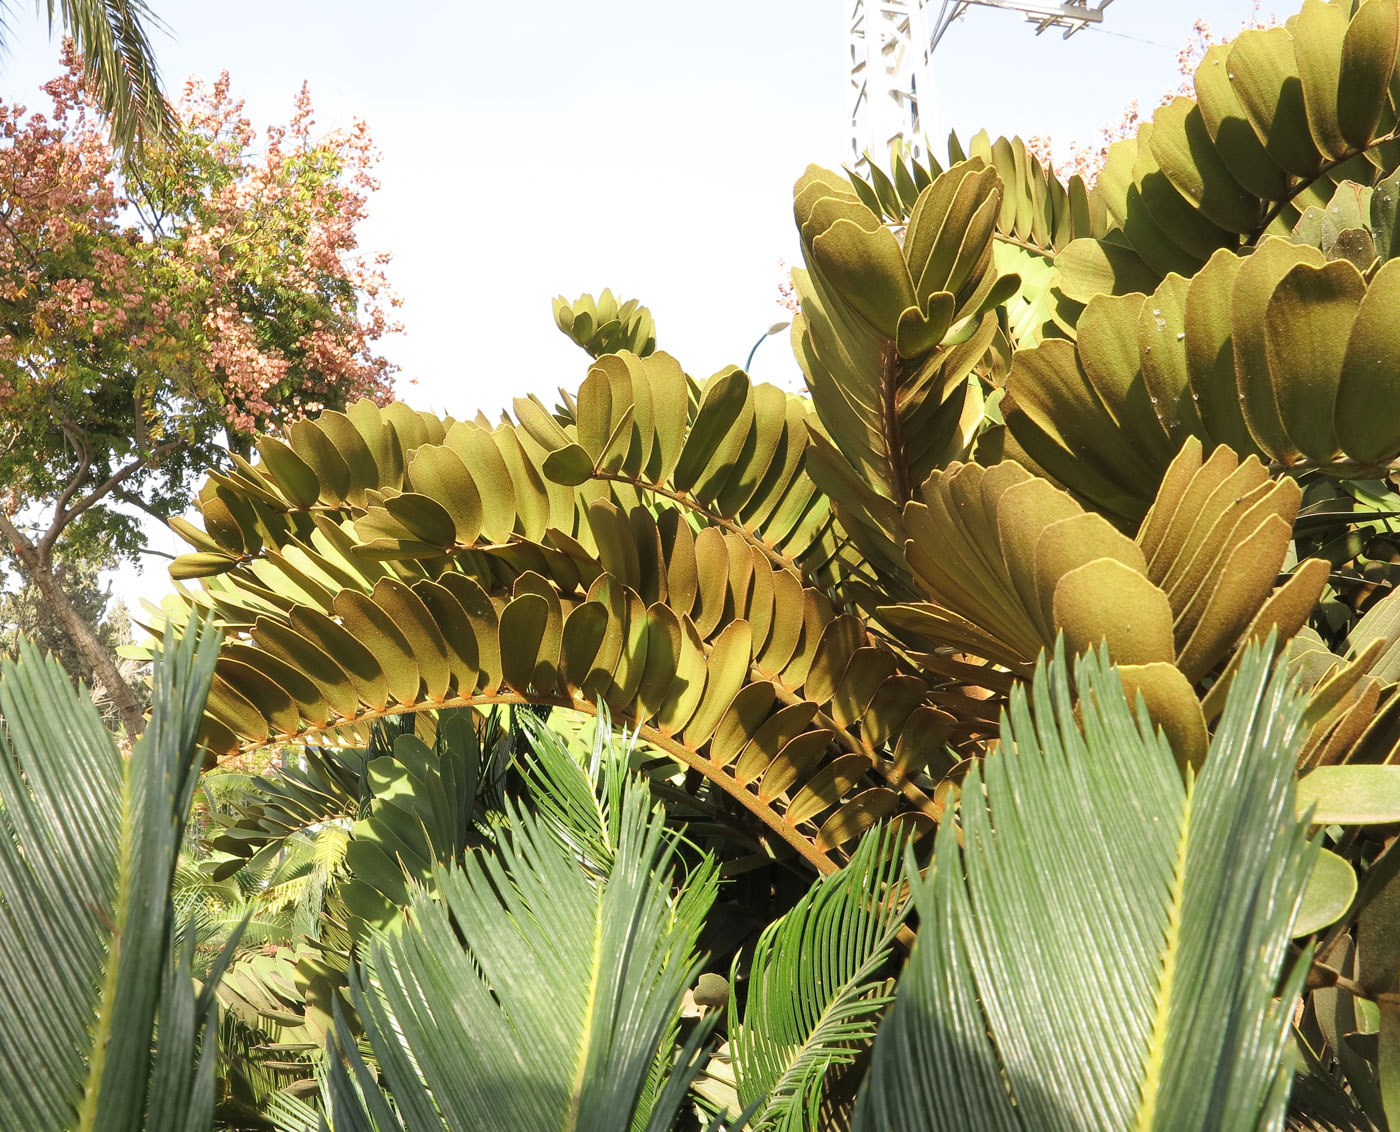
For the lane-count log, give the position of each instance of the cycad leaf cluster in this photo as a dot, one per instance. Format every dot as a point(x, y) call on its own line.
point(1120, 964)
point(101, 1026)
point(581, 801)
point(816, 991)
point(533, 996)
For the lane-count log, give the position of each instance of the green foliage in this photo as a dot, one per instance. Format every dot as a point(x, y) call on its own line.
point(606, 326)
point(1280, 117)
point(580, 801)
point(816, 989)
point(876, 332)
point(532, 996)
point(421, 815)
point(1282, 354)
point(1038, 218)
point(1141, 423)
point(1358, 224)
point(257, 817)
point(556, 595)
point(1135, 977)
point(1037, 212)
point(98, 1002)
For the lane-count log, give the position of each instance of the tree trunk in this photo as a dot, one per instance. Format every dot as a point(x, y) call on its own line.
point(79, 632)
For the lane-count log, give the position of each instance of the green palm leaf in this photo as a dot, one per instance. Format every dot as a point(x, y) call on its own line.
point(100, 1025)
point(1120, 966)
point(814, 995)
point(552, 1014)
point(111, 37)
point(579, 800)
point(257, 817)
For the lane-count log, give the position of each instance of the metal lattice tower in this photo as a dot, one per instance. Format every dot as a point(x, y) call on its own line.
point(889, 55)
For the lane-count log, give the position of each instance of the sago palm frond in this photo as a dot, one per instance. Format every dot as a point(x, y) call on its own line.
point(814, 993)
point(100, 1023)
point(533, 996)
point(291, 1114)
point(578, 800)
point(1107, 950)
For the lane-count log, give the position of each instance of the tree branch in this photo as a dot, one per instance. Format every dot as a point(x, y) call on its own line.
point(84, 453)
point(141, 505)
point(23, 547)
point(66, 516)
point(75, 627)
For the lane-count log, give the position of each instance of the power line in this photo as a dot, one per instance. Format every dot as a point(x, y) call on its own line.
point(1134, 38)
point(1070, 15)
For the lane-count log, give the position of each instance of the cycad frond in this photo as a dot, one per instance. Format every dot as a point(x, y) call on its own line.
point(100, 1025)
point(814, 995)
point(328, 848)
point(578, 801)
point(1115, 965)
point(291, 1114)
point(552, 1014)
point(423, 811)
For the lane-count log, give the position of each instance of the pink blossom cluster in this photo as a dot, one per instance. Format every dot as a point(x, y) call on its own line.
point(787, 289)
point(227, 274)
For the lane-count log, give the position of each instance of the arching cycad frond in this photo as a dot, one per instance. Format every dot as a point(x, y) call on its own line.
point(889, 329)
point(719, 654)
point(406, 486)
point(324, 787)
point(1130, 974)
point(532, 996)
point(1281, 354)
point(816, 989)
point(100, 1022)
point(579, 799)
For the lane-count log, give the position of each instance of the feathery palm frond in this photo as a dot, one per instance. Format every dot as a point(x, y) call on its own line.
point(100, 1023)
point(553, 1012)
point(1119, 965)
point(110, 35)
point(814, 996)
point(257, 816)
point(268, 903)
point(291, 1114)
point(580, 803)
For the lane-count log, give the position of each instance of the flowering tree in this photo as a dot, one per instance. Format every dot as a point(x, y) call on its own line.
point(151, 310)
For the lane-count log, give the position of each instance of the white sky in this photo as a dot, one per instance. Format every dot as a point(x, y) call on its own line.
point(643, 145)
